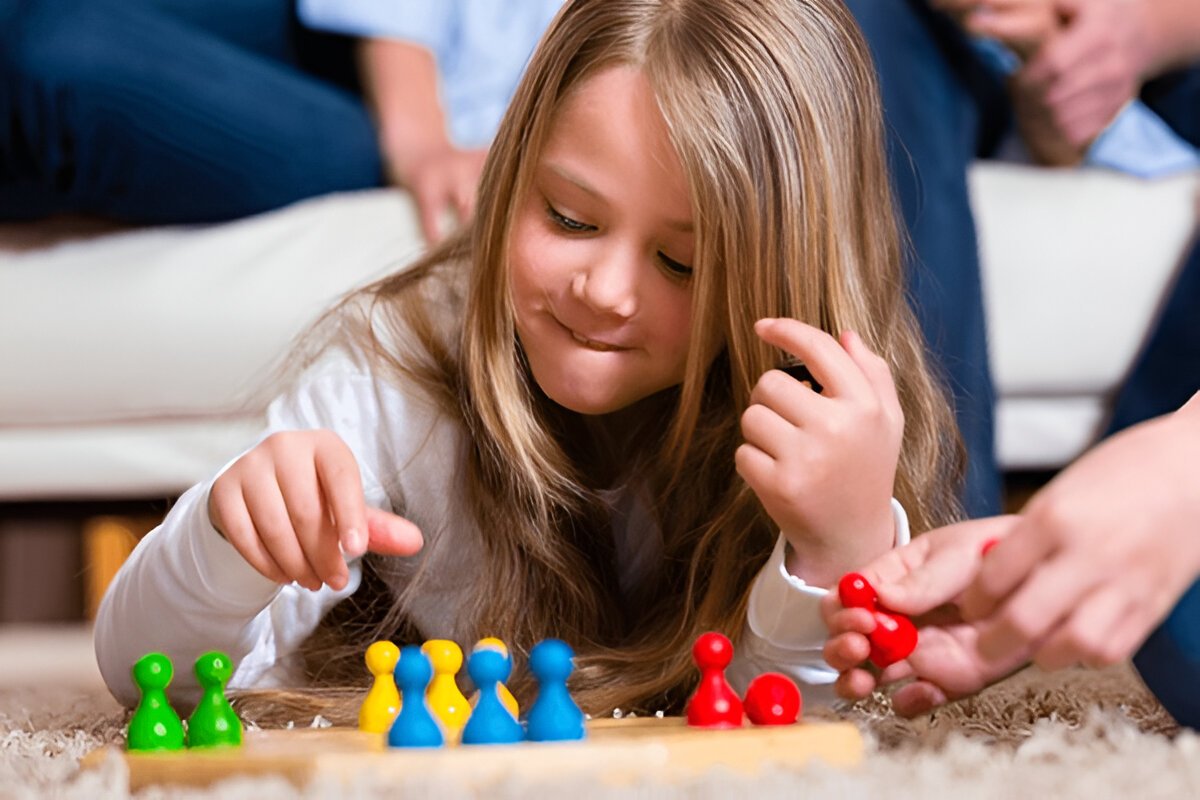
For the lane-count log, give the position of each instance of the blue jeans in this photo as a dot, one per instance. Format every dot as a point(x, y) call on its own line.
point(1165, 375)
point(174, 110)
point(943, 108)
point(1169, 661)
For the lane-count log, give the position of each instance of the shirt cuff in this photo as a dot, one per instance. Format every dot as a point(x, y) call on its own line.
point(783, 609)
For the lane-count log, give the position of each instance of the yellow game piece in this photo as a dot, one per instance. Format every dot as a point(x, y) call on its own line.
point(379, 709)
point(506, 697)
point(446, 701)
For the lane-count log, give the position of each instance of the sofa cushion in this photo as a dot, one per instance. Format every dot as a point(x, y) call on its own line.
point(172, 323)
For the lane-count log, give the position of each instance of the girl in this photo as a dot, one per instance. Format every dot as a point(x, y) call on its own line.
point(574, 400)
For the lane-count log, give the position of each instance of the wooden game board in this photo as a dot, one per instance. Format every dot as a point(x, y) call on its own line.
point(615, 751)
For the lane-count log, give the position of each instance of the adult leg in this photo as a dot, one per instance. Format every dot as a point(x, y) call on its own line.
point(129, 110)
point(1167, 371)
point(935, 98)
point(1169, 661)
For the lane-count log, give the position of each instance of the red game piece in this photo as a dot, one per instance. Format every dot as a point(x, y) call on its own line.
point(893, 639)
point(714, 703)
point(773, 699)
point(856, 592)
point(894, 636)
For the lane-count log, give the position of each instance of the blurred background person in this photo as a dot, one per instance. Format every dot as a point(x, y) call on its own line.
point(166, 111)
point(1050, 82)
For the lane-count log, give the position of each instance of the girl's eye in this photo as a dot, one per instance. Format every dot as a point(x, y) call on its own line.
point(566, 223)
point(673, 266)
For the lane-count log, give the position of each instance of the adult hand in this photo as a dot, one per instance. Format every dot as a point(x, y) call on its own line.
point(1021, 25)
point(823, 465)
point(1077, 83)
point(443, 182)
point(923, 580)
point(293, 507)
point(1102, 553)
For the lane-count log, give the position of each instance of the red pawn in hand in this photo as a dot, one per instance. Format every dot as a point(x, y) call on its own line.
point(714, 704)
point(894, 637)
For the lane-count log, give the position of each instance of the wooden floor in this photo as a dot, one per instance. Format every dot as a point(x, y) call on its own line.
point(48, 656)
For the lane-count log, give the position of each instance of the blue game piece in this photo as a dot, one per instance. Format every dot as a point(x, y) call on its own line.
point(414, 725)
point(554, 717)
point(490, 722)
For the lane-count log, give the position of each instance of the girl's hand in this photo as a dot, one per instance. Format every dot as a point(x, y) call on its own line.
point(1101, 555)
point(293, 507)
point(823, 465)
point(922, 580)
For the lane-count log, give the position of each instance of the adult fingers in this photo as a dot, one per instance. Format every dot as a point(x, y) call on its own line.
point(916, 698)
point(431, 198)
point(1085, 636)
point(1004, 568)
point(392, 535)
point(1036, 608)
point(821, 353)
point(938, 575)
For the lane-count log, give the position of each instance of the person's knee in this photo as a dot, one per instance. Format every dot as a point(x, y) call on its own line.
point(1169, 661)
point(57, 42)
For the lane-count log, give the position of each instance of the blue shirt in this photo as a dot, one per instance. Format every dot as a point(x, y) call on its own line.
point(481, 47)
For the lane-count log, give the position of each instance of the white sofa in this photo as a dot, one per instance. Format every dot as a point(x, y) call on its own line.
point(128, 362)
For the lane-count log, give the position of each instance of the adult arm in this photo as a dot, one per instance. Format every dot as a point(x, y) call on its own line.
point(400, 79)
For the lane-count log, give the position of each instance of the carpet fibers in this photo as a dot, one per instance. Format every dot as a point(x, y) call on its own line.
point(1071, 734)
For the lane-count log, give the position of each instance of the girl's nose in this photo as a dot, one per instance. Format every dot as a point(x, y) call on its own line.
point(609, 284)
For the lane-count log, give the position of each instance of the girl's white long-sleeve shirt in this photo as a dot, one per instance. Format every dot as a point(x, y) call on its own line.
point(185, 590)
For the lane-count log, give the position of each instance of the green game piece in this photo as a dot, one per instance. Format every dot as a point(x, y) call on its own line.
point(214, 723)
point(154, 725)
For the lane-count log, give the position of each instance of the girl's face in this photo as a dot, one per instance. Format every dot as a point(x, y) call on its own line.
point(601, 251)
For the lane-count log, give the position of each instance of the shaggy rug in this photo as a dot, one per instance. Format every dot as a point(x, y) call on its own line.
point(1070, 734)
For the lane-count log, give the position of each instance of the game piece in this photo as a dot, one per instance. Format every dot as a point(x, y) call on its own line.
point(154, 724)
point(414, 725)
point(773, 699)
point(893, 639)
point(214, 723)
point(894, 636)
point(446, 701)
point(714, 704)
point(988, 545)
point(855, 592)
point(554, 716)
point(382, 703)
point(506, 696)
point(490, 722)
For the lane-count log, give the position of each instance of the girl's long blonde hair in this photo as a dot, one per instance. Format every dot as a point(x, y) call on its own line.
point(773, 109)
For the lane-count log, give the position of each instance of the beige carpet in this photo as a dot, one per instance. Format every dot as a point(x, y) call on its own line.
point(1072, 734)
